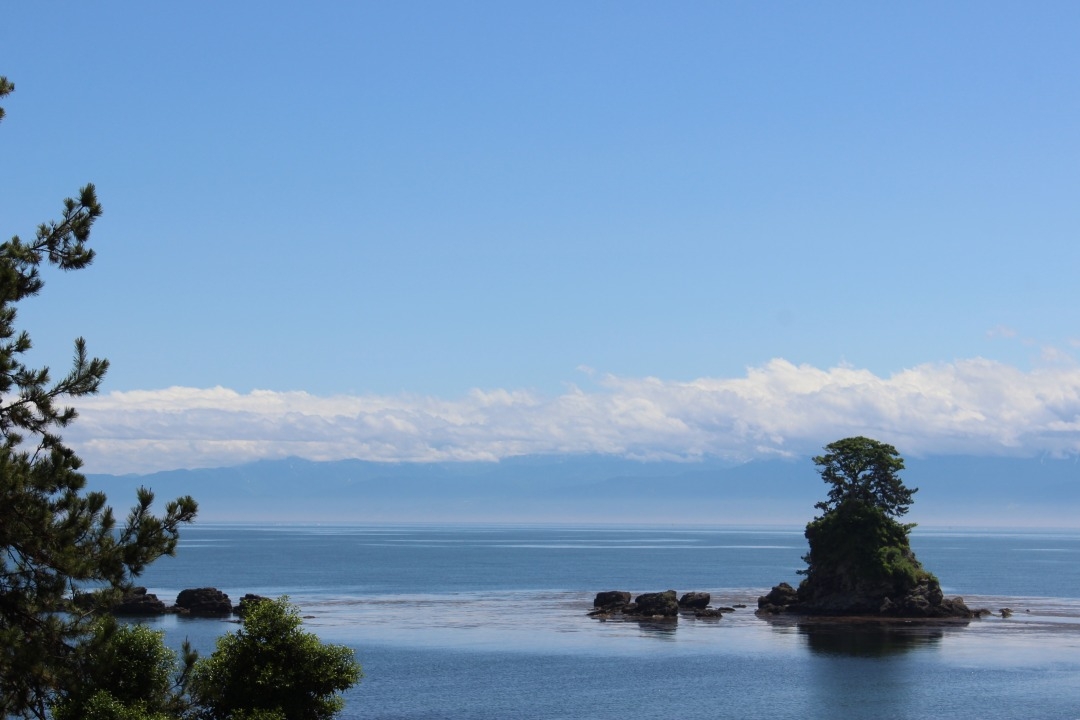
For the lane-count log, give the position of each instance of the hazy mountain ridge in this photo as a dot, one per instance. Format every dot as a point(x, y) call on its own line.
point(595, 488)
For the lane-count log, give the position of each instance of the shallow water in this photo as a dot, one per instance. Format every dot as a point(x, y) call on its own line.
point(491, 622)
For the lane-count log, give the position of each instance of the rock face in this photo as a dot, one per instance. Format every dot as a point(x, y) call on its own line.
point(204, 601)
point(139, 602)
point(695, 600)
point(611, 600)
point(925, 600)
point(780, 598)
point(709, 613)
point(663, 604)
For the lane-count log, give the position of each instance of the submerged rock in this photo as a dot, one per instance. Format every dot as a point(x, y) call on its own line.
point(709, 613)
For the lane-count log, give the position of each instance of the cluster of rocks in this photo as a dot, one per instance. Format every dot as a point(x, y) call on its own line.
point(199, 602)
point(665, 604)
point(925, 600)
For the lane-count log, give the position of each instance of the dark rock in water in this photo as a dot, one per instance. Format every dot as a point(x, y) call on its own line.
point(708, 613)
point(247, 603)
point(924, 600)
point(861, 563)
point(136, 602)
point(927, 600)
point(695, 600)
point(664, 604)
point(611, 600)
point(782, 594)
point(204, 601)
point(780, 598)
point(139, 602)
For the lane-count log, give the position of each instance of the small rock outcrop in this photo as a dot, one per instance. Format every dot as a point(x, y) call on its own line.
point(695, 600)
point(611, 600)
point(204, 601)
point(779, 599)
point(666, 604)
point(662, 604)
point(138, 602)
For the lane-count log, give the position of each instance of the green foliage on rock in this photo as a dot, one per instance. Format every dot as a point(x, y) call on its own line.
point(864, 471)
point(271, 669)
point(860, 555)
point(54, 537)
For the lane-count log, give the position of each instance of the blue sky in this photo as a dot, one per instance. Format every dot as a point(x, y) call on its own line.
point(427, 230)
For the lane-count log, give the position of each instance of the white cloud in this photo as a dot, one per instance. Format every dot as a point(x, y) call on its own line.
point(972, 406)
point(1001, 331)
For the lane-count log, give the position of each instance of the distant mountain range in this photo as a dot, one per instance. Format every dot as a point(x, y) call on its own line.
point(954, 490)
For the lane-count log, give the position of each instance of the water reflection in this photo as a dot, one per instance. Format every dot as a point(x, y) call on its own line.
point(864, 638)
point(659, 628)
point(868, 640)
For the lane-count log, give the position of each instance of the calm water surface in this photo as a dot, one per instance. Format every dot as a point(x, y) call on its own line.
point(485, 622)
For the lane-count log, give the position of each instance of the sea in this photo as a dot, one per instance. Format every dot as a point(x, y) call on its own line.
point(490, 622)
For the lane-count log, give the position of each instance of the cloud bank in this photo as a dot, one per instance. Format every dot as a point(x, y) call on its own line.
point(975, 406)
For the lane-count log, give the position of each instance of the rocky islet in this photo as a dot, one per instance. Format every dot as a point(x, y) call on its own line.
point(666, 604)
point(195, 602)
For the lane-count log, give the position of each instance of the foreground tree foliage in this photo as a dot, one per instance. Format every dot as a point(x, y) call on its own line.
point(60, 655)
point(56, 539)
point(126, 672)
point(271, 669)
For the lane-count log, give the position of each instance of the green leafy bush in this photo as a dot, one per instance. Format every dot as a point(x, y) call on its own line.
point(124, 671)
point(271, 669)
